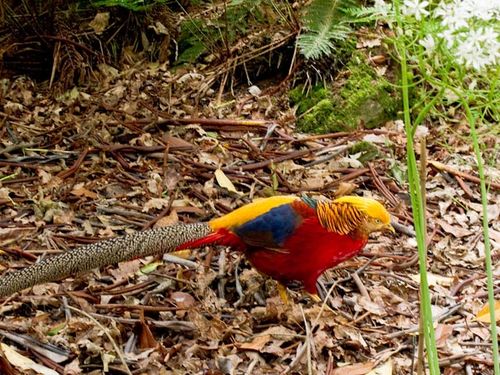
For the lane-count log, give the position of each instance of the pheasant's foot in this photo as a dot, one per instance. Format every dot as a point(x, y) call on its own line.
point(283, 293)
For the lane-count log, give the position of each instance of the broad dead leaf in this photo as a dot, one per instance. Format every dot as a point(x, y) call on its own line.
point(125, 269)
point(157, 203)
point(455, 230)
point(484, 314)
point(168, 220)
point(146, 337)
point(355, 369)
point(443, 331)
point(224, 181)
point(182, 300)
point(434, 279)
point(80, 191)
point(100, 22)
point(24, 363)
point(385, 369)
point(270, 340)
point(371, 306)
point(257, 343)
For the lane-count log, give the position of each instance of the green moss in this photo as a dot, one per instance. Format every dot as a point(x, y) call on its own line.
point(306, 100)
point(368, 151)
point(318, 118)
point(365, 99)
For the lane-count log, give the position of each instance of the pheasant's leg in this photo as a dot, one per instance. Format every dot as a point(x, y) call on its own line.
point(315, 297)
point(283, 293)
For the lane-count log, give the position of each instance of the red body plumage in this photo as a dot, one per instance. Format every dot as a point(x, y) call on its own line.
point(287, 243)
point(309, 252)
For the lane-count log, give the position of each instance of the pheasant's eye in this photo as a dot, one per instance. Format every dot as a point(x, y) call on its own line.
point(378, 221)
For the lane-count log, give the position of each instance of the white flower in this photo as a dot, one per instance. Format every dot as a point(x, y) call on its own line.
point(478, 48)
point(454, 15)
point(448, 36)
point(415, 8)
point(484, 9)
point(428, 43)
point(470, 56)
point(382, 7)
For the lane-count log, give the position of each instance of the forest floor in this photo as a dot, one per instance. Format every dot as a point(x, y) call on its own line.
point(132, 153)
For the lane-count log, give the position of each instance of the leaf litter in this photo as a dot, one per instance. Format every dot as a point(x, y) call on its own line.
point(102, 162)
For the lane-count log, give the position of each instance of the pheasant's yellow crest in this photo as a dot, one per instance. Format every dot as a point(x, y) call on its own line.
point(368, 206)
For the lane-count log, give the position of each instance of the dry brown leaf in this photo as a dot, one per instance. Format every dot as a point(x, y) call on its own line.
point(434, 279)
point(157, 203)
point(80, 191)
point(100, 22)
point(443, 331)
point(18, 360)
point(270, 341)
point(455, 230)
point(371, 306)
point(146, 337)
point(257, 343)
point(355, 369)
point(168, 220)
point(345, 188)
point(385, 369)
point(182, 300)
point(351, 333)
point(178, 143)
point(125, 269)
point(213, 329)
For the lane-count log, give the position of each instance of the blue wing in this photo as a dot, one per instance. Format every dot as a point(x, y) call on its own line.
point(270, 230)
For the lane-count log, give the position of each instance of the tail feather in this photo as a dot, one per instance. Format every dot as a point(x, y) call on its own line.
point(100, 254)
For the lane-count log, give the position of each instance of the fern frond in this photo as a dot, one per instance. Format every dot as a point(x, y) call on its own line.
point(313, 45)
point(369, 14)
point(325, 23)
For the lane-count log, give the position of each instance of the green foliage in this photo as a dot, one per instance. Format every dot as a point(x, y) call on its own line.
point(133, 5)
point(326, 23)
point(449, 82)
point(204, 35)
point(304, 100)
point(367, 150)
point(318, 119)
point(191, 44)
point(364, 99)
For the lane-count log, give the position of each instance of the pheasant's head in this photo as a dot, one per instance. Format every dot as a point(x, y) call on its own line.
point(351, 214)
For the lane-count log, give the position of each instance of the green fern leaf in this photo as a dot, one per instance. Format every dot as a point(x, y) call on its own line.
point(325, 23)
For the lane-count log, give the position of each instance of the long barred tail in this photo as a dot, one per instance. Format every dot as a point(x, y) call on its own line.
point(100, 254)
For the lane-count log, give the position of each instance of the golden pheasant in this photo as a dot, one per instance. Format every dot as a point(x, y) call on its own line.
point(285, 237)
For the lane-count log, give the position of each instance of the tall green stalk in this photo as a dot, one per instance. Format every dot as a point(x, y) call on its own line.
point(418, 209)
point(486, 235)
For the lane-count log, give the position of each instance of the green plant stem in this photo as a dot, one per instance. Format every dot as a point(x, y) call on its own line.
point(418, 208)
point(487, 244)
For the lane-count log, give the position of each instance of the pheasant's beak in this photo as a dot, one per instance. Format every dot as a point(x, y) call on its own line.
point(389, 228)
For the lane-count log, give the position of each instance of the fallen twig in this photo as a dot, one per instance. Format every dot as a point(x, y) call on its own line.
point(443, 167)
